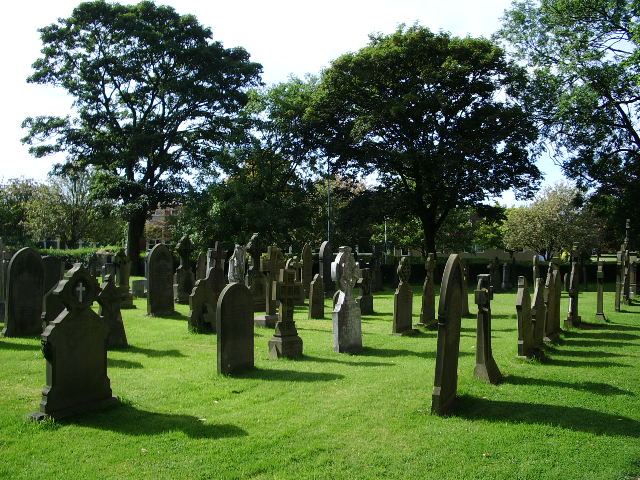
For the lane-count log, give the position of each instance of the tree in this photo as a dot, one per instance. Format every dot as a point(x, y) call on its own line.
point(434, 116)
point(155, 99)
point(15, 193)
point(586, 94)
point(553, 223)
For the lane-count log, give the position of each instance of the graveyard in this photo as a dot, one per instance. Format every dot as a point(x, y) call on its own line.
point(365, 414)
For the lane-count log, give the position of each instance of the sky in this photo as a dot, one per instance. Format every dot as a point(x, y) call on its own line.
point(287, 37)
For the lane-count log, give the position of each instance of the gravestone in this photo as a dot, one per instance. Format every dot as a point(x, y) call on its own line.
point(465, 288)
point(573, 318)
point(271, 266)
point(285, 342)
point(347, 320)
point(123, 273)
point(403, 301)
point(52, 303)
point(295, 265)
point(53, 272)
point(2, 281)
point(184, 278)
point(553, 293)
point(527, 345)
point(201, 266)
point(536, 269)
point(160, 281)
point(619, 281)
point(428, 310)
point(633, 273)
point(365, 300)
point(316, 297)
point(538, 315)
point(494, 272)
point(108, 268)
point(626, 280)
point(600, 290)
point(486, 368)
point(234, 326)
point(109, 300)
point(565, 282)
point(506, 276)
point(138, 288)
point(307, 268)
point(236, 265)
point(448, 347)
point(75, 348)
point(376, 269)
point(203, 302)
point(24, 294)
point(215, 262)
point(255, 279)
point(326, 259)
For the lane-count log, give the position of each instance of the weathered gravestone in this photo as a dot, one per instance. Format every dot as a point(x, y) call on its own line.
point(506, 276)
point(234, 326)
point(326, 259)
point(255, 279)
point(376, 269)
point(573, 318)
point(347, 320)
point(295, 265)
point(553, 293)
point(633, 273)
point(108, 268)
point(2, 281)
point(236, 265)
point(307, 268)
point(600, 290)
point(139, 288)
point(316, 297)
point(24, 293)
point(565, 282)
point(403, 301)
point(271, 266)
point(160, 281)
point(465, 288)
point(201, 266)
point(535, 269)
point(109, 301)
point(285, 342)
point(494, 272)
point(428, 310)
point(365, 300)
point(51, 304)
point(538, 315)
point(75, 348)
point(486, 368)
point(202, 305)
point(215, 263)
point(184, 278)
point(527, 345)
point(619, 281)
point(448, 347)
point(123, 273)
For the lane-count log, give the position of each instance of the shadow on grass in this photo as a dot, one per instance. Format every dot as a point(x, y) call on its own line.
point(18, 346)
point(346, 362)
point(602, 335)
point(129, 420)
point(582, 353)
point(592, 387)
point(390, 353)
point(617, 326)
point(580, 363)
point(173, 316)
point(572, 418)
point(594, 343)
point(149, 352)
point(289, 375)
point(117, 363)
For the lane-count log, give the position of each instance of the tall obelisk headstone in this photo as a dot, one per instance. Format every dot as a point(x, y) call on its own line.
point(326, 259)
point(600, 291)
point(347, 320)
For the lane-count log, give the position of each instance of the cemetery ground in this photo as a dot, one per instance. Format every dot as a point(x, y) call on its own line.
point(574, 416)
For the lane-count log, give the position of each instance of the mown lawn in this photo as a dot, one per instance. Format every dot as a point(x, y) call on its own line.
point(575, 416)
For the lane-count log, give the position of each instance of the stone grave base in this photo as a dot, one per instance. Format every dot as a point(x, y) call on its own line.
point(601, 316)
point(571, 322)
point(268, 321)
point(428, 326)
point(366, 305)
point(75, 410)
point(407, 333)
point(287, 347)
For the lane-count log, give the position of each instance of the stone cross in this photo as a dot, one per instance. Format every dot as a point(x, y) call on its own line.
point(347, 329)
point(403, 301)
point(486, 368)
point(270, 266)
point(600, 289)
point(428, 309)
point(573, 318)
point(217, 254)
point(295, 265)
point(285, 342)
point(80, 289)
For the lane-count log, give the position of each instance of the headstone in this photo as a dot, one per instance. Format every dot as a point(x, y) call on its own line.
point(494, 272)
point(285, 342)
point(553, 293)
point(270, 266)
point(403, 301)
point(573, 318)
point(236, 265)
point(75, 348)
point(160, 281)
point(215, 262)
point(536, 269)
point(52, 303)
point(138, 288)
point(295, 265)
point(448, 348)
point(123, 273)
point(53, 272)
point(234, 326)
point(465, 287)
point(94, 267)
point(626, 278)
point(203, 302)
point(376, 270)
point(201, 266)
point(486, 368)
point(184, 278)
point(24, 294)
point(633, 273)
point(316, 297)
point(255, 279)
point(307, 268)
point(109, 268)
point(428, 310)
point(619, 282)
point(600, 290)
point(326, 259)
point(506, 277)
point(2, 281)
point(527, 345)
point(538, 315)
point(565, 282)
point(365, 300)
point(347, 320)
point(109, 300)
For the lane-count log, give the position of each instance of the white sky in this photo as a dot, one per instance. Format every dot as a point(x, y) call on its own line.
point(285, 36)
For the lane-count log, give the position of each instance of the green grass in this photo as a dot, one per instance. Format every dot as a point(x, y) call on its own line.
point(576, 416)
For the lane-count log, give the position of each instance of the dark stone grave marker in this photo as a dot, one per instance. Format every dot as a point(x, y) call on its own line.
point(347, 320)
point(316, 297)
point(486, 368)
point(160, 281)
point(403, 301)
point(109, 299)
point(428, 310)
point(234, 326)
point(24, 294)
point(285, 341)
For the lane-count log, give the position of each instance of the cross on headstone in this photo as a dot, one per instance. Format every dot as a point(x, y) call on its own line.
point(80, 289)
point(285, 342)
point(271, 266)
point(287, 291)
point(217, 256)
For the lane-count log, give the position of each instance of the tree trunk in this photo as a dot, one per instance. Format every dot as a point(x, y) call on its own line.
point(429, 233)
point(135, 230)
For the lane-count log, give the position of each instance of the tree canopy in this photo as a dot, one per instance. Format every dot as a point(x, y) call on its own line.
point(154, 98)
point(433, 115)
point(586, 95)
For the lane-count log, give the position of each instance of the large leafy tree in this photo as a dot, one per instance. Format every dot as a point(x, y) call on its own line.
point(586, 60)
point(15, 194)
point(434, 116)
point(155, 98)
